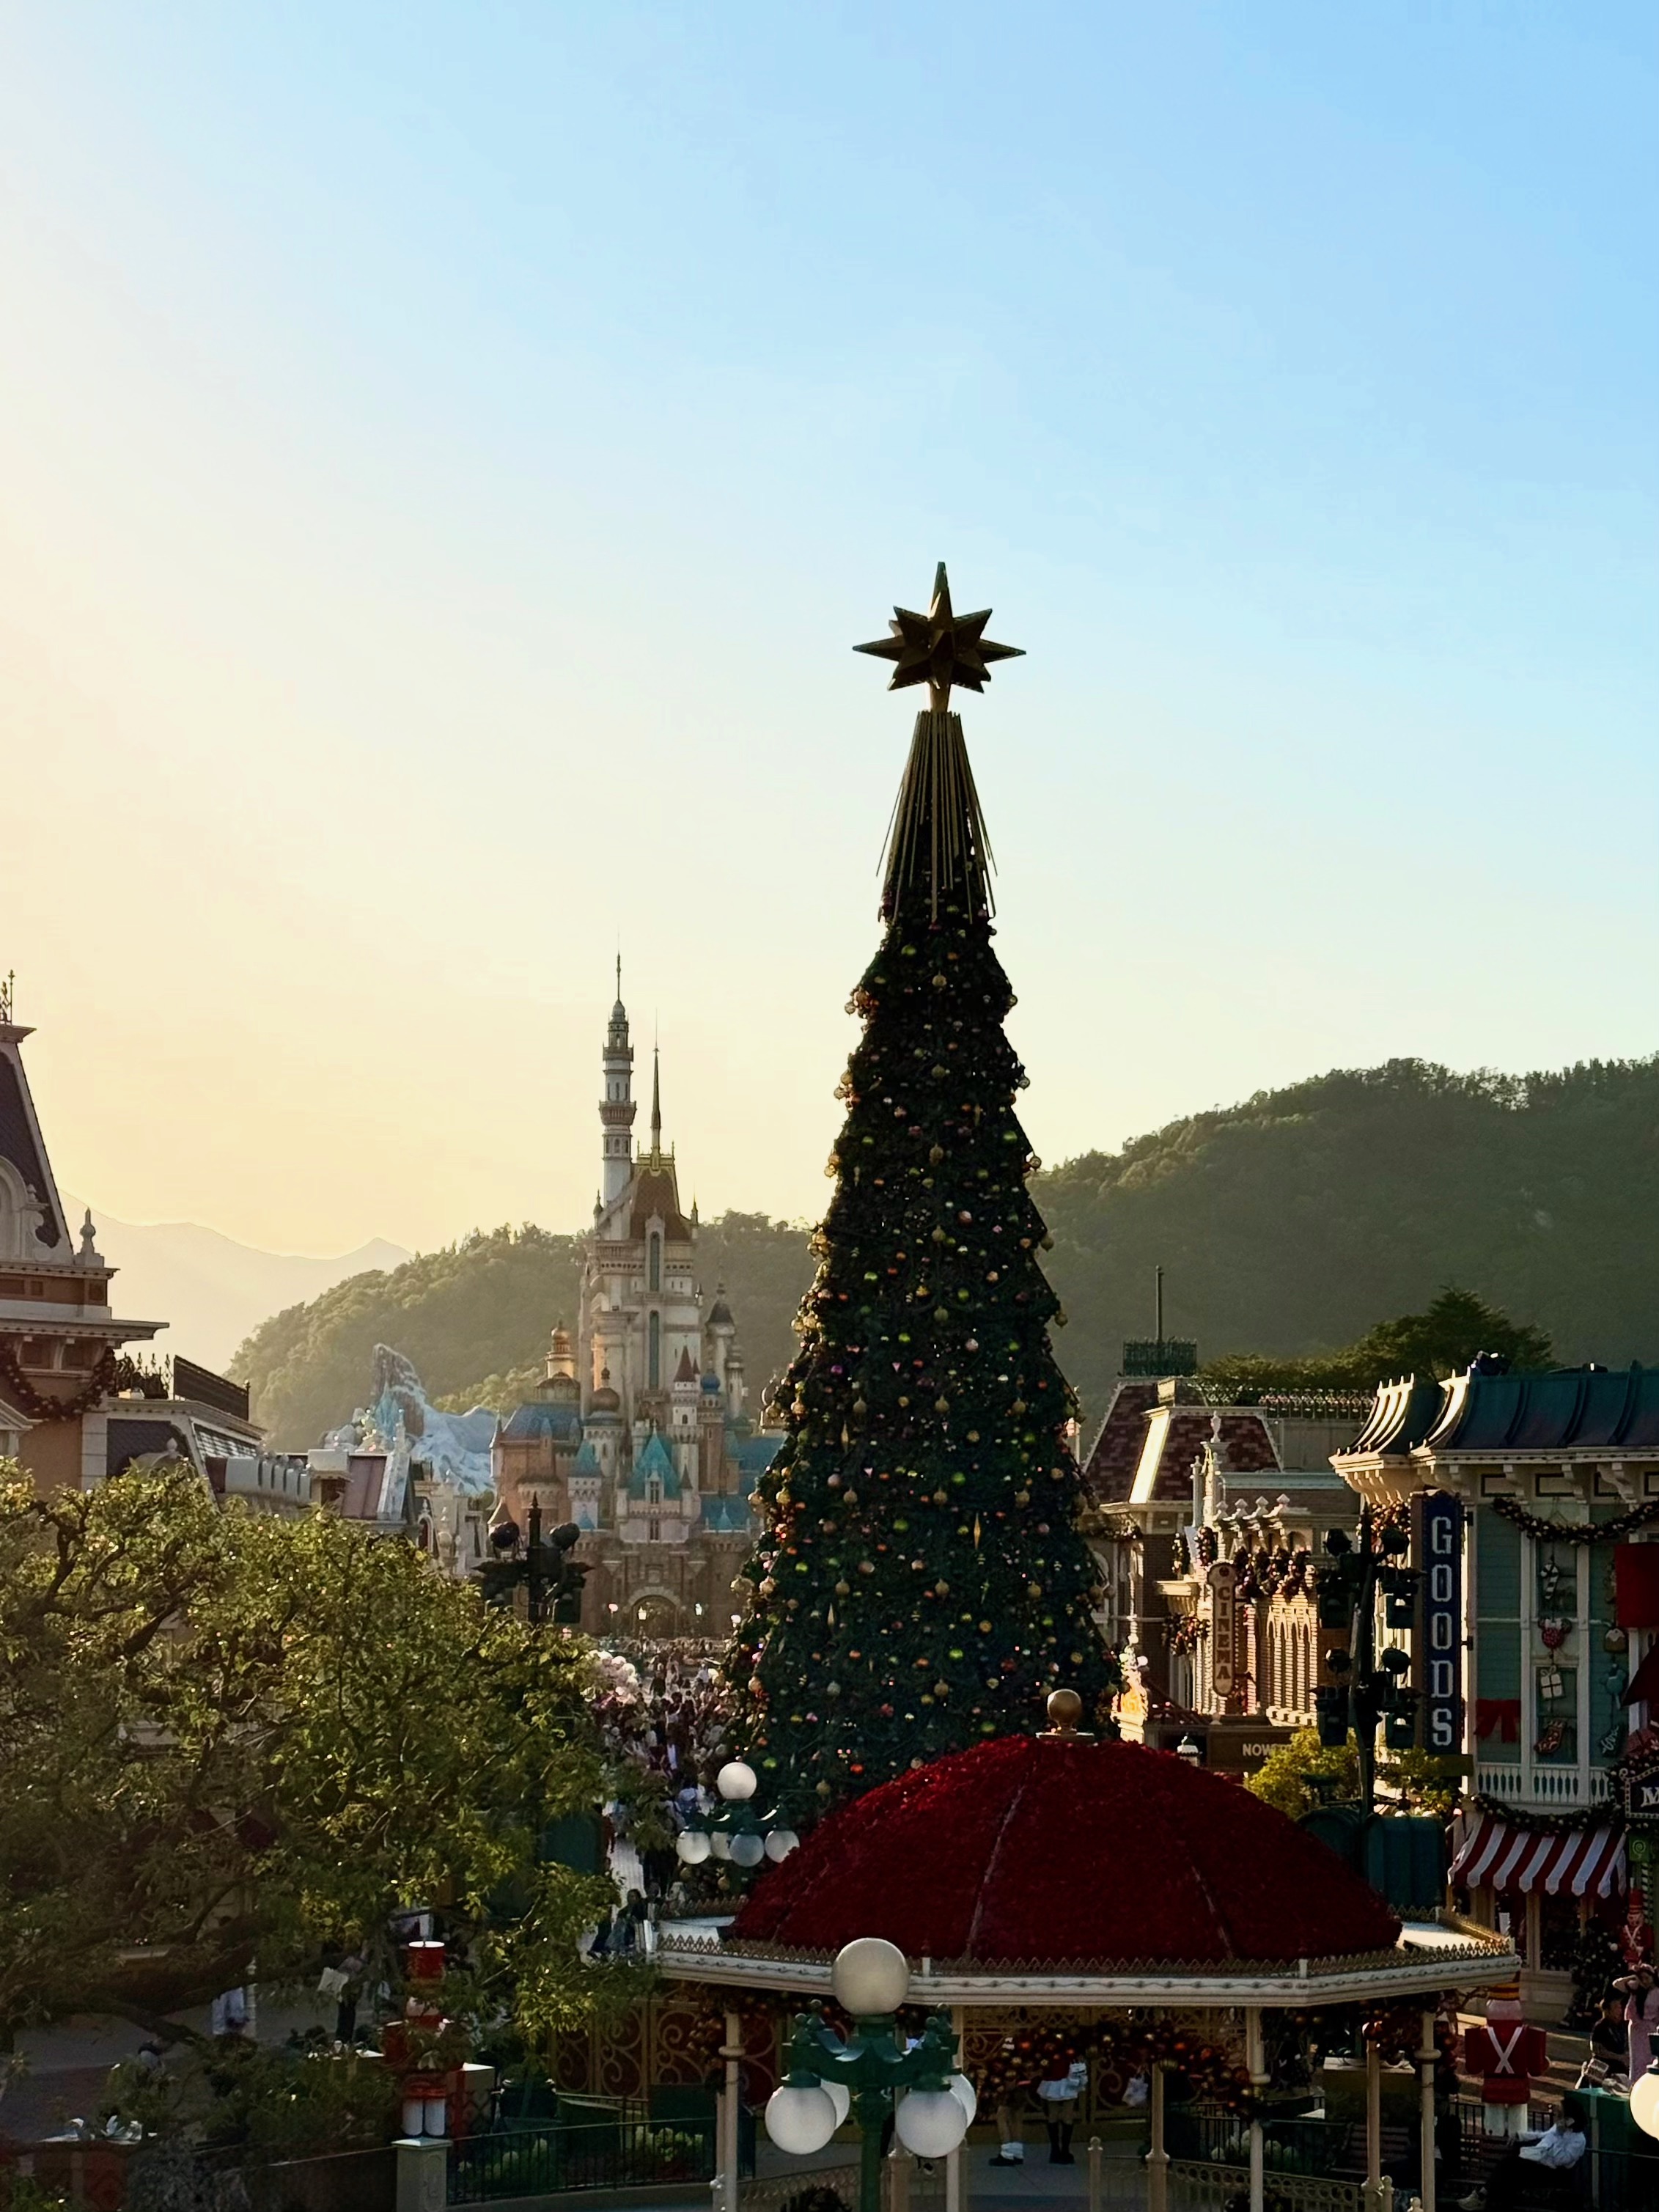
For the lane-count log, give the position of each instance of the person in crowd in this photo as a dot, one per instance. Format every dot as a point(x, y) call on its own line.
point(1557, 2148)
point(1640, 1991)
point(1609, 2043)
point(1058, 2098)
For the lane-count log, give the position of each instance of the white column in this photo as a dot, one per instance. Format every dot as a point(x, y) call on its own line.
point(1255, 2059)
point(726, 2123)
point(956, 2165)
point(1158, 2159)
point(1426, 2057)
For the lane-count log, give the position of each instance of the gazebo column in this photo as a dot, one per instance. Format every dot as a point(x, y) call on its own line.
point(1428, 2057)
point(1158, 2159)
point(955, 2162)
point(1373, 2123)
point(725, 2119)
point(1255, 2059)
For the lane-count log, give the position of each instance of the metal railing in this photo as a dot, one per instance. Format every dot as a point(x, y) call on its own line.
point(625, 2150)
point(1199, 2136)
point(1607, 2180)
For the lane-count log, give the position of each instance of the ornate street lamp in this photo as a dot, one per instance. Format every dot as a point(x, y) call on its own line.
point(737, 1831)
point(827, 2077)
point(1644, 2101)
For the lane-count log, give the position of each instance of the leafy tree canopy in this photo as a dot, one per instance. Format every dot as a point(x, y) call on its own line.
point(1441, 1341)
point(225, 1738)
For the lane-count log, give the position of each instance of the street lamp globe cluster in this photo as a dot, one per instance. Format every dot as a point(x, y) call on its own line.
point(736, 1832)
point(1644, 2101)
point(829, 2077)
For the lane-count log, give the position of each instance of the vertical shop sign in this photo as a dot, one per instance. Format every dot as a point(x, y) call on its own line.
point(1437, 1545)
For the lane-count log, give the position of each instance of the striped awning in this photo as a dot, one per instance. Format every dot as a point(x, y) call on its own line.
point(1498, 1854)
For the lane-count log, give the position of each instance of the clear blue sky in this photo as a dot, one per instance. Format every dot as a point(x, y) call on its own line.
point(449, 451)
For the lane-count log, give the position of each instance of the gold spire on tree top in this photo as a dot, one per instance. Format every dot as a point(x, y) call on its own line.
point(940, 648)
point(937, 824)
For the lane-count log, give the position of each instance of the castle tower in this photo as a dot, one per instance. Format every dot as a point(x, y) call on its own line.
point(617, 1108)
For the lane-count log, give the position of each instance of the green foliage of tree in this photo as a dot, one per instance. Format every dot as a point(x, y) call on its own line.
point(226, 1738)
point(475, 1317)
point(1441, 1341)
point(1298, 1775)
point(920, 1582)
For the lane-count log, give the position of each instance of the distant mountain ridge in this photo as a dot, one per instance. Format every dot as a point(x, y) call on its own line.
point(1289, 1223)
point(211, 1290)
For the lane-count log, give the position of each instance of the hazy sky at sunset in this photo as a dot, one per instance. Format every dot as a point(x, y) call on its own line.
point(448, 451)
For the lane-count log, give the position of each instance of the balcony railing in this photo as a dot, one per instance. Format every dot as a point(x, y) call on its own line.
point(1553, 1787)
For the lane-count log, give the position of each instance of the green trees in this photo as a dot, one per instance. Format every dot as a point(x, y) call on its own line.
point(1440, 1341)
point(920, 1582)
point(227, 1743)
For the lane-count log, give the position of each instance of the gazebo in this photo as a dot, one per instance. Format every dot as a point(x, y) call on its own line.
point(1065, 1872)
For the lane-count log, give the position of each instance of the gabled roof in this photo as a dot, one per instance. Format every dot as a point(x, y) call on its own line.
point(685, 1372)
point(656, 1459)
point(23, 1148)
point(586, 1462)
point(727, 1517)
point(656, 1191)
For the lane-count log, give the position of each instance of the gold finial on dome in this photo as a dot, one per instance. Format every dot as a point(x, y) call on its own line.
point(1065, 1711)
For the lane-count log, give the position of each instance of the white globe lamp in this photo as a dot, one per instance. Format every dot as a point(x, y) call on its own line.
point(800, 2120)
point(736, 1781)
point(841, 2097)
point(965, 2094)
point(931, 2123)
point(870, 1976)
point(1644, 2101)
point(747, 1849)
point(692, 1847)
point(721, 1844)
point(781, 1842)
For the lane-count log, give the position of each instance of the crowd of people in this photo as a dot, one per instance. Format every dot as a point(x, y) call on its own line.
point(666, 1725)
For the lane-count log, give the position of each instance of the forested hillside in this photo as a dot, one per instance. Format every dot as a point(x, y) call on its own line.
point(1287, 1225)
point(474, 1319)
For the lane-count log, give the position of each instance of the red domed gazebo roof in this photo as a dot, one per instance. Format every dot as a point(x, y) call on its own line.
point(1067, 1851)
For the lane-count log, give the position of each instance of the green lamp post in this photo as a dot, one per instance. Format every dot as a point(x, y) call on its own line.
point(828, 2077)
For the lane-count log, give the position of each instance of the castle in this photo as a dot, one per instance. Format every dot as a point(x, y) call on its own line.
point(639, 1433)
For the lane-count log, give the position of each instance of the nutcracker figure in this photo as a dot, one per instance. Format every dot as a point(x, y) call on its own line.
point(1508, 2055)
point(424, 2048)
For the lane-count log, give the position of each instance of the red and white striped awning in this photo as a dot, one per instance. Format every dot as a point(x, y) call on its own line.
point(1498, 1854)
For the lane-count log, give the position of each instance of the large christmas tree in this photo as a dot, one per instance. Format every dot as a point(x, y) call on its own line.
point(922, 1583)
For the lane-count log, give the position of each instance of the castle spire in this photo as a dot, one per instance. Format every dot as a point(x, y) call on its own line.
point(656, 1104)
point(617, 1108)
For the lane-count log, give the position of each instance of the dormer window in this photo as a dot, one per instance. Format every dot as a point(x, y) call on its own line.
point(654, 1489)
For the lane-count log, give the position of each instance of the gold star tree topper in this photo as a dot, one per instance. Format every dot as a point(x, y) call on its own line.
point(940, 648)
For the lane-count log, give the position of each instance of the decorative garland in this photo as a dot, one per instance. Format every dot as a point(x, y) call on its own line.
point(1268, 1571)
point(1035, 2054)
point(37, 1404)
point(1566, 1532)
point(1271, 1571)
point(1185, 1632)
point(1549, 1823)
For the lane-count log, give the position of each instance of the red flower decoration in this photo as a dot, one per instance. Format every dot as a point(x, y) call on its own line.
point(964, 1859)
